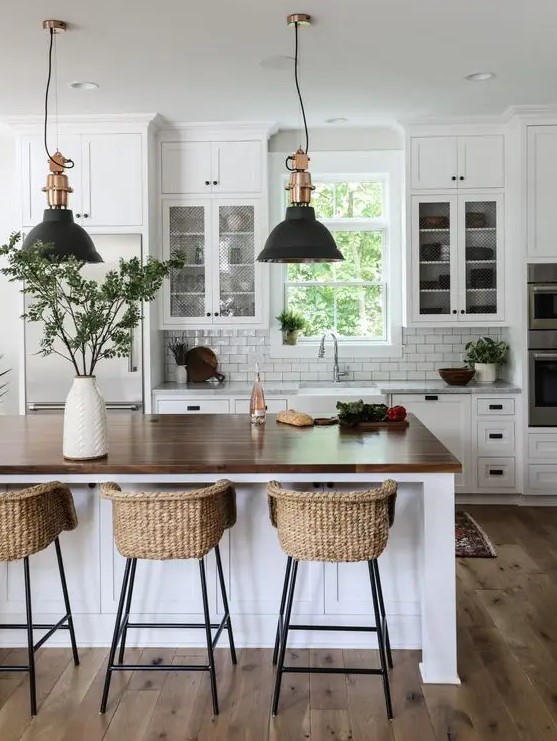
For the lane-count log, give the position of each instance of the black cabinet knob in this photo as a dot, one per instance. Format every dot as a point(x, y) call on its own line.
point(85, 216)
point(461, 177)
point(462, 311)
point(215, 182)
point(207, 182)
point(78, 216)
point(216, 313)
point(454, 311)
point(208, 313)
point(453, 177)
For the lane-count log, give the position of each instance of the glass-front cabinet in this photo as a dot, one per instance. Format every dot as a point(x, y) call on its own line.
point(220, 280)
point(457, 270)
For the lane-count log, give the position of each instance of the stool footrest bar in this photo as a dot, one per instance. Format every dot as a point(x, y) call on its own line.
point(331, 670)
point(159, 667)
point(352, 629)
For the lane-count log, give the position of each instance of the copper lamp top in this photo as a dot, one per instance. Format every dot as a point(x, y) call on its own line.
point(302, 19)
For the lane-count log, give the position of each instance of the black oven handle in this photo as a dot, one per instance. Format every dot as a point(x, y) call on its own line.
point(545, 355)
point(544, 289)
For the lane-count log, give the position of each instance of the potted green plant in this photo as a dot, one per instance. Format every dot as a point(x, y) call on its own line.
point(85, 321)
point(290, 324)
point(179, 348)
point(485, 355)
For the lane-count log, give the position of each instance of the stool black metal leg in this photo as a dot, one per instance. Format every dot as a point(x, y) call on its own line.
point(281, 611)
point(381, 639)
point(284, 636)
point(115, 636)
point(127, 611)
point(30, 641)
point(225, 604)
point(209, 637)
point(383, 614)
point(66, 600)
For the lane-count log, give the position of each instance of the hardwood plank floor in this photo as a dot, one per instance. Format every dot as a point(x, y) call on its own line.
point(507, 661)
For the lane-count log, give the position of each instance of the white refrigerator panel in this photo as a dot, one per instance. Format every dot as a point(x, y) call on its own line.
point(48, 379)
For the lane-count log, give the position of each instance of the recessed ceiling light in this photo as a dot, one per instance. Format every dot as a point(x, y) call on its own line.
point(339, 120)
point(84, 85)
point(480, 76)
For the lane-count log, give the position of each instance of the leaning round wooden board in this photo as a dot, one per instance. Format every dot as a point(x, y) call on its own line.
point(201, 364)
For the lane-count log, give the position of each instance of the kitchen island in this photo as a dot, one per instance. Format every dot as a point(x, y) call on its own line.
point(169, 452)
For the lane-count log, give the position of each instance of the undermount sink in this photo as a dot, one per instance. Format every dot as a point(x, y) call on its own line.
point(346, 388)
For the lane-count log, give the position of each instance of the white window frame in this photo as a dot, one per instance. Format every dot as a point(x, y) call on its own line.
point(348, 167)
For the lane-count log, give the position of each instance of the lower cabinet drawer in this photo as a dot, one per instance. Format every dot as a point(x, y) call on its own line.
point(241, 406)
point(496, 473)
point(192, 406)
point(542, 445)
point(495, 437)
point(494, 407)
point(542, 478)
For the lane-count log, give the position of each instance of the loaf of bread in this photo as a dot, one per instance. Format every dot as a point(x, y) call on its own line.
point(292, 417)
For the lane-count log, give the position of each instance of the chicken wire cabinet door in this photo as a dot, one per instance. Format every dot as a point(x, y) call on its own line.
point(482, 277)
point(188, 290)
point(435, 259)
point(237, 274)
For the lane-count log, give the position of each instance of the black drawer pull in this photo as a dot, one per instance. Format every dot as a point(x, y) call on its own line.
point(496, 406)
point(433, 397)
point(193, 408)
point(495, 435)
point(496, 472)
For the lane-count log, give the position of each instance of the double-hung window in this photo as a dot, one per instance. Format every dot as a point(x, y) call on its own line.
point(349, 297)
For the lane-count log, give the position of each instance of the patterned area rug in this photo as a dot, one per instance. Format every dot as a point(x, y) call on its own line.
point(470, 539)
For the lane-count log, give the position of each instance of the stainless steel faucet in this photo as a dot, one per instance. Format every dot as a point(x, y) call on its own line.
point(337, 374)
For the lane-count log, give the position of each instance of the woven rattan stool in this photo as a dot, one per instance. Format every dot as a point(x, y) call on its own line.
point(30, 520)
point(336, 527)
point(162, 526)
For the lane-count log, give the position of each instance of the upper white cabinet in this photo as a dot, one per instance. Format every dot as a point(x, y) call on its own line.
point(541, 213)
point(211, 167)
point(456, 269)
point(107, 178)
point(457, 162)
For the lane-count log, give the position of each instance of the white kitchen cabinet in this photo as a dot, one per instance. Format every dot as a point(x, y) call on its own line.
point(541, 211)
point(457, 162)
point(456, 268)
point(273, 406)
point(205, 167)
point(192, 405)
point(107, 178)
point(447, 416)
point(496, 473)
point(220, 283)
point(325, 404)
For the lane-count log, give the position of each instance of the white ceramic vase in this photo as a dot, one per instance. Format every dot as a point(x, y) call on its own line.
point(181, 374)
point(85, 421)
point(485, 372)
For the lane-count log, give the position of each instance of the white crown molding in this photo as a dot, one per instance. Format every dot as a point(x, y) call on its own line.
point(28, 124)
point(217, 129)
point(531, 111)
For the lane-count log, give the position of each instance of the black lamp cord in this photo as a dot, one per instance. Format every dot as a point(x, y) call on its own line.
point(296, 80)
point(68, 164)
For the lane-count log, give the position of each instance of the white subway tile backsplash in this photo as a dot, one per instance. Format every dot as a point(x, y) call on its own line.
point(424, 350)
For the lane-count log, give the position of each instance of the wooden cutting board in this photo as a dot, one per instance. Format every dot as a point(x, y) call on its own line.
point(202, 364)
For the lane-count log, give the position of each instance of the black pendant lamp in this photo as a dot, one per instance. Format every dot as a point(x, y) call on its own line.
point(61, 235)
point(300, 237)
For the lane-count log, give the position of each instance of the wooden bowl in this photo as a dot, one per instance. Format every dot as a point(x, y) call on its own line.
point(456, 376)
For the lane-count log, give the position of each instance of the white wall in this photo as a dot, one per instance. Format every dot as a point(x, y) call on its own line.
point(9, 293)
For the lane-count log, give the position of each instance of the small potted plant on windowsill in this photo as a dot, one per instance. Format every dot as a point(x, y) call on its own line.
point(179, 347)
point(290, 324)
point(485, 355)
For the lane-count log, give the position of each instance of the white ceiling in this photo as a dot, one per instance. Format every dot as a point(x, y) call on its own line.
point(372, 61)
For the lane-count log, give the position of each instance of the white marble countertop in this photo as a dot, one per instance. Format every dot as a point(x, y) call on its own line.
point(292, 388)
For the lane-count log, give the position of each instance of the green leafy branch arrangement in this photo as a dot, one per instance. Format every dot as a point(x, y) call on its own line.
point(85, 321)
